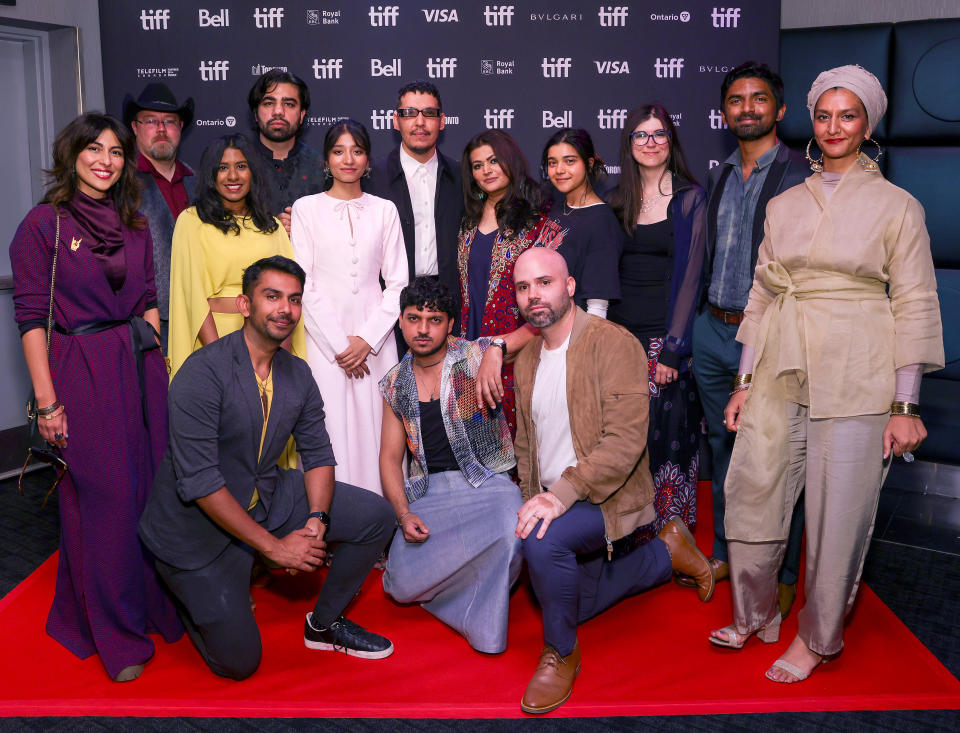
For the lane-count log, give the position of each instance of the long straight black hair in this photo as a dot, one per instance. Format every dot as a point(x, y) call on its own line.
point(207, 199)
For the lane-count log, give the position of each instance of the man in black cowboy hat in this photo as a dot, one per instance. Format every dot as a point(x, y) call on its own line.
point(157, 122)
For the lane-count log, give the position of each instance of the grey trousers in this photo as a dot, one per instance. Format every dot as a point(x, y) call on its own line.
point(841, 462)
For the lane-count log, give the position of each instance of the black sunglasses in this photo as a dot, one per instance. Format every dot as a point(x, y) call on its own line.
point(413, 112)
point(51, 459)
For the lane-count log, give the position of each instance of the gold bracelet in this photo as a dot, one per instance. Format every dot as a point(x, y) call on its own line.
point(910, 409)
point(741, 379)
point(740, 388)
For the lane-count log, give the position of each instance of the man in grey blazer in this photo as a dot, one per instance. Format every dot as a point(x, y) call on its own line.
point(167, 183)
point(220, 496)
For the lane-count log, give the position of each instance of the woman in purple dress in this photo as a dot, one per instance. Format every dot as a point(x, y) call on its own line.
point(101, 389)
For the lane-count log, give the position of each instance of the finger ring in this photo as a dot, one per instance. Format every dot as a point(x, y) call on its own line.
point(723, 422)
point(908, 456)
point(58, 436)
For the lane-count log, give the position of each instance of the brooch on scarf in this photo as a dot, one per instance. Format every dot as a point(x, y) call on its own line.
point(75, 244)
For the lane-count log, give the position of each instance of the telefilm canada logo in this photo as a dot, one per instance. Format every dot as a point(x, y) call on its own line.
point(324, 17)
point(165, 72)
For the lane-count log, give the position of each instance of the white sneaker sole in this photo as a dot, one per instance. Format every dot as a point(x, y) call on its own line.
point(325, 647)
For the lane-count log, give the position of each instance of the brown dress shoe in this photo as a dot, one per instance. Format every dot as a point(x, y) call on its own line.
point(686, 558)
point(785, 597)
point(552, 683)
point(721, 571)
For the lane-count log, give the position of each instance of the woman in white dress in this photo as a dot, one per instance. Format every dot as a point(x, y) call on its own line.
point(346, 240)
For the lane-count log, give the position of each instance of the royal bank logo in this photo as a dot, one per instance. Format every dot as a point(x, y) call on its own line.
point(165, 72)
point(498, 67)
point(384, 15)
point(389, 68)
point(228, 121)
point(613, 67)
point(261, 69)
point(324, 17)
point(498, 14)
point(725, 17)
point(668, 68)
point(327, 68)
point(268, 17)
point(154, 20)
point(441, 68)
point(561, 119)
point(498, 119)
point(611, 119)
point(216, 19)
point(381, 119)
point(681, 17)
point(440, 15)
point(716, 120)
point(214, 70)
point(556, 67)
point(613, 16)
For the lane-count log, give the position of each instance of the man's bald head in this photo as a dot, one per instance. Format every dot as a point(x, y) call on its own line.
point(543, 285)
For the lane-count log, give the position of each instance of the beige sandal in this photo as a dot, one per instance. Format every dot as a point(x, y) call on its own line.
point(768, 634)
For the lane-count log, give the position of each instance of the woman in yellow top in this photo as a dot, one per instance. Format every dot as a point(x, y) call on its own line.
point(228, 228)
point(841, 323)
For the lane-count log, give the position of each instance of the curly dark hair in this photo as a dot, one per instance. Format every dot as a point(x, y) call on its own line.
point(580, 140)
point(71, 141)
point(209, 204)
point(521, 204)
point(753, 70)
point(426, 293)
point(625, 198)
point(276, 263)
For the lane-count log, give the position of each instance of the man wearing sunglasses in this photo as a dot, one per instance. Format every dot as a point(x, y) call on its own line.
point(425, 187)
point(737, 194)
point(158, 121)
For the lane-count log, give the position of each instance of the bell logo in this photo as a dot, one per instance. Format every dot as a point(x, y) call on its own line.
point(613, 67)
point(268, 17)
point(554, 68)
point(214, 70)
point(611, 119)
point(327, 68)
point(564, 119)
point(668, 68)
point(441, 68)
point(498, 14)
point(611, 16)
point(381, 119)
point(214, 20)
point(498, 119)
point(378, 68)
point(154, 20)
point(716, 120)
point(440, 15)
point(383, 15)
point(725, 17)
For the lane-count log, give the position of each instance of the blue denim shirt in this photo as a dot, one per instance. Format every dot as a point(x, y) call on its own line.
point(731, 278)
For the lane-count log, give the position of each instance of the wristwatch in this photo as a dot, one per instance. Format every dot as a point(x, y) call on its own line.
point(502, 344)
point(323, 517)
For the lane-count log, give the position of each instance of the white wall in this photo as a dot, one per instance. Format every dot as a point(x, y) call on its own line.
point(809, 13)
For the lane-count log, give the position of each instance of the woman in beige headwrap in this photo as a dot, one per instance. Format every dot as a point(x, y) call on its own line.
point(841, 322)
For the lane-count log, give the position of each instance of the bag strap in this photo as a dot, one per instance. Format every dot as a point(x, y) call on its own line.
point(53, 279)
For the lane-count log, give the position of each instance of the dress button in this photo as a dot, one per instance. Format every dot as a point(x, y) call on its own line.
point(353, 273)
point(355, 290)
point(355, 260)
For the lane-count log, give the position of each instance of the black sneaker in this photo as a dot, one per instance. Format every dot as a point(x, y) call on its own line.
point(345, 636)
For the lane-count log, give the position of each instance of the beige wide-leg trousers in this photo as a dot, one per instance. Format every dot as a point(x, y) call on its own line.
point(840, 463)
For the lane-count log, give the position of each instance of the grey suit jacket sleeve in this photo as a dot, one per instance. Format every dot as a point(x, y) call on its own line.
point(310, 432)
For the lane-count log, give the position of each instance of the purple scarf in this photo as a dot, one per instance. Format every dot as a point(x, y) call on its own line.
point(100, 220)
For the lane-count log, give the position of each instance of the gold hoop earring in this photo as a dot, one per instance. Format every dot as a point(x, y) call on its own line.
point(815, 165)
point(870, 164)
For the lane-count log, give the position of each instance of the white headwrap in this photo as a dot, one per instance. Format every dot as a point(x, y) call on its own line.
point(857, 80)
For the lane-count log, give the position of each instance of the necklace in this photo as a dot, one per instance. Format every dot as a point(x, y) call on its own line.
point(435, 389)
point(648, 206)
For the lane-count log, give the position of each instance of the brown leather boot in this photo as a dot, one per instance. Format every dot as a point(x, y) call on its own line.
point(686, 558)
point(552, 683)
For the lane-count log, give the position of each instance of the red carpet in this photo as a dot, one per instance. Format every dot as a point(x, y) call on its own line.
point(647, 656)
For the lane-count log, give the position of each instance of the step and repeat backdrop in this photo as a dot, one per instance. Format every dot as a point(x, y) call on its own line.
point(525, 67)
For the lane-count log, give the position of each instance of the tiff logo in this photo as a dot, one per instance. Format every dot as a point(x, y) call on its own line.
point(611, 16)
point(611, 119)
point(268, 17)
point(498, 14)
point(498, 119)
point(440, 15)
point(378, 68)
point(725, 17)
point(441, 68)
point(668, 68)
point(327, 68)
point(381, 119)
point(564, 119)
point(214, 70)
point(154, 20)
point(383, 15)
point(214, 20)
point(716, 120)
point(554, 68)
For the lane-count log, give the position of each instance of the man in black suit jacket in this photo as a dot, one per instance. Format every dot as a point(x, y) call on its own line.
point(737, 194)
point(219, 495)
point(425, 187)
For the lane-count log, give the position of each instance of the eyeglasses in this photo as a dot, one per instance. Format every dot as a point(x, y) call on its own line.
point(640, 137)
point(156, 122)
point(406, 112)
point(50, 458)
